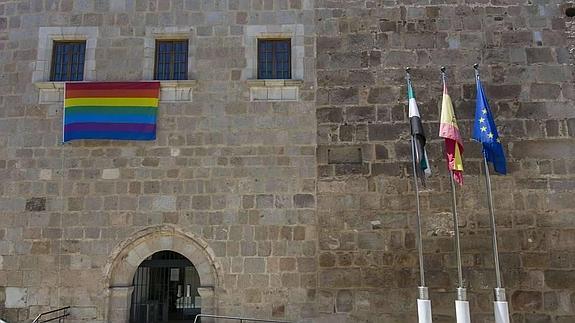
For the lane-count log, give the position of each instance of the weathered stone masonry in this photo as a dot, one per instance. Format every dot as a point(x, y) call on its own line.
point(229, 183)
point(293, 199)
point(367, 258)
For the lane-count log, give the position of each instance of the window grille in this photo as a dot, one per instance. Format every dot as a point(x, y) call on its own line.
point(68, 61)
point(171, 60)
point(274, 59)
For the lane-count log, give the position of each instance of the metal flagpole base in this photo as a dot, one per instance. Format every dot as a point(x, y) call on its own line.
point(462, 306)
point(462, 312)
point(500, 306)
point(461, 294)
point(501, 311)
point(424, 306)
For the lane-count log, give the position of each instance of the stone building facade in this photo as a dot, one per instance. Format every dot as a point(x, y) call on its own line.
point(292, 198)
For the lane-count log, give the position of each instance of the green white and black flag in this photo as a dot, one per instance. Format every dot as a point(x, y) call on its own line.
point(418, 135)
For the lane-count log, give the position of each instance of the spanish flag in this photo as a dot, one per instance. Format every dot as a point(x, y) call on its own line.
point(450, 132)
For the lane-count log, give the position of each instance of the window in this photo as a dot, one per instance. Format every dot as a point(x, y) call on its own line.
point(171, 60)
point(68, 61)
point(274, 58)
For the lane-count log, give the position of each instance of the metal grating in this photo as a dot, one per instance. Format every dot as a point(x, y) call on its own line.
point(274, 59)
point(68, 61)
point(171, 60)
point(165, 290)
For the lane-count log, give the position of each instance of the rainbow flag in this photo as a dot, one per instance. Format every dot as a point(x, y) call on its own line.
point(111, 110)
point(449, 130)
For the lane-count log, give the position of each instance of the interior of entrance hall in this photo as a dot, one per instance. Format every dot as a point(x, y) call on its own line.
point(165, 289)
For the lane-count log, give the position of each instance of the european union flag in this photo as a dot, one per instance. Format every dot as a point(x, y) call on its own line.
point(485, 131)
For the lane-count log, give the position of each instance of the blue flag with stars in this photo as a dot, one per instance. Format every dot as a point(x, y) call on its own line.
point(485, 132)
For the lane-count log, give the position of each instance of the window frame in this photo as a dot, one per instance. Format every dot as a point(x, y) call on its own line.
point(274, 70)
point(55, 44)
point(172, 59)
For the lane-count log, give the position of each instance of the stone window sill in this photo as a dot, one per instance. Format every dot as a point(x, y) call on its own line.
point(170, 91)
point(274, 90)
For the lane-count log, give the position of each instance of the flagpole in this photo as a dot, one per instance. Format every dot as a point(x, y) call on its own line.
point(423, 302)
point(501, 307)
point(461, 303)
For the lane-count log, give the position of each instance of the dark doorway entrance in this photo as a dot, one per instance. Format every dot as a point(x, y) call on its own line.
point(165, 290)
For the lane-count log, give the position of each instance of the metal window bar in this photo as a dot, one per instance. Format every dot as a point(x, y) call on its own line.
point(237, 318)
point(171, 60)
point(68, 61)
point(165, 289)
point(274, 58)
point(60, 317)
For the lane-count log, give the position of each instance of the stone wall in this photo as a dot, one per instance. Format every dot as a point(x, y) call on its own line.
point(238, 175)
point(367, 256)
point(303, 208)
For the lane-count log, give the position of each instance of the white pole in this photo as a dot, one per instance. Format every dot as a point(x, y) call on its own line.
point(424, 310)
point(423, 302)
point(461, 304)
point(501, 309)
point(462, 312)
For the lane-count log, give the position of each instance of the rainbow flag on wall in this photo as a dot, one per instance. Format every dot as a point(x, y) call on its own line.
point(111, 110)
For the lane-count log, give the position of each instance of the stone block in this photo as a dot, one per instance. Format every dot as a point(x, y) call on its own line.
point(371, 240)
point(326, 260)
point(290, 280)
point(36, 204)
point(201, 202)
point(274, 93)
point(45, 174)
point(264, 201)
point(419, 40)
point(340, 278)
point(383, 132)
point(329, 115)
point(527, 300)
point(360, 114)
point(544, 91)
point(48, 96)
point(287, 264)
point(111, 173)
point(307, 264)
point(13, 204)
point(304, 201)
point(344, 96)
point(164, 203)
point(344, 301)
point(539, 55)
point(248, 248)
point(559, 148)
point(16, 297)
point(289, 93)
point(502, 91)
point(383, 95)
point(325, 301)
point(344, 155)
point(254, 265)
point(327, 44)
point(560, 279)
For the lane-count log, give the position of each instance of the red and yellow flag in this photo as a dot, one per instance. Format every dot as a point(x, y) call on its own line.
point(453, 144)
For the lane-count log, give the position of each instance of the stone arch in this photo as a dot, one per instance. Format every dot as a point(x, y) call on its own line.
point(127, 256)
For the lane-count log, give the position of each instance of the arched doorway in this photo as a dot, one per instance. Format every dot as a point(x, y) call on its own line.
point(165, 289)
point(126, 257)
